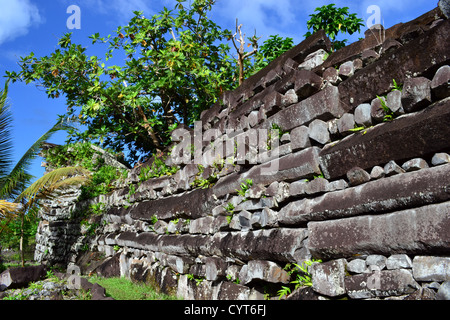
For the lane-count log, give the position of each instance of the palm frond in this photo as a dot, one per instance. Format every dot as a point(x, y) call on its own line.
point(13, 183)
point(5, 133)
point(8, 209)
point(55, 179)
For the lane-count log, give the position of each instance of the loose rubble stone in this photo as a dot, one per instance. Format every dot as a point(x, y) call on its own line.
point(317, 185)
point(380, 284)
point(431, 268)
point(376, 111)
point(328, 277)
point(440, 85)
point(346, 123)
point(377, 173)
point(398, 261)
point(363, 115)
point(357, 266)
point(300, 138)
point(307, 83)
point(357, 176)
point(263, 270)
point(414, 165)
point(392, 168)
point(313, 60)
point(377, 260)
point(416, 94)
point(440, 158)
point(444, 291)
point(394, 102)
point(298, 187)
point(346, 70)
point(331, 75)
point(318, 131)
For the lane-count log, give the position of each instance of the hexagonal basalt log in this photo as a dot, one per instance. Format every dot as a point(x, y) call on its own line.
point(392, 141)
point(192, 205)
point(409, 60)
point(422, 230)
point(399, 192)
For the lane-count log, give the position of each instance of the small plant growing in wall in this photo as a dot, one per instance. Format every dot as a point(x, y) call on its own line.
point(245, 186)
point(301, 274)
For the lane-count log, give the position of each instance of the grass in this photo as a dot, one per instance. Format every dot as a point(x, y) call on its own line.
point(124, 289)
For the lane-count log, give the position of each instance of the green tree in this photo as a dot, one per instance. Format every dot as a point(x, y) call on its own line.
point(333, 21)
point(176, 66)
point(17, 207)
point(271, 49)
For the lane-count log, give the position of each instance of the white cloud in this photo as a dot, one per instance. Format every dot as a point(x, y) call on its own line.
point(268, 17)
point(16, 18)
point(120, 10)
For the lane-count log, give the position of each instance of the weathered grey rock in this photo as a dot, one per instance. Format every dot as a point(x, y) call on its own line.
point(380, 284)
point(368, 56)
point(313, 60)
point(412, 231)
point(15, 278)
point(331, 75)
point(318, 131)
point(440, 85)
point(324, 105)
point(414, 165)
point(328, 278)
point(428, 268)
point(357, 266)
point(346, 70)
point(215, 268)
point(416, 94)
point(300, 138)
point(444, 5)
point(440, 158)
point(392, 168)
point(263, 270)
point(398, 261)
point(245, 220)
point(253, 118)
point(289, 98)
point(340, 184)
point(298, 187)
point(232, 291)
point(333, 126)
point(363, 115)
point(376, 111)
point(315, 186)
point(346, 123)
point(357, 176)
point(394, 102)
point(202, 226)
point(306, 84)
point(377, 173)
point(444, 291)
point(377, 260)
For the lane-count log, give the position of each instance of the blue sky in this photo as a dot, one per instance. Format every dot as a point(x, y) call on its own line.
point(35, 26)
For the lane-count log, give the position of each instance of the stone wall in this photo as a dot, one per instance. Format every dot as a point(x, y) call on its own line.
point(363, 188)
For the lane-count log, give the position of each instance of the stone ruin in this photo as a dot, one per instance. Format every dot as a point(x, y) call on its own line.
point(362, 182)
